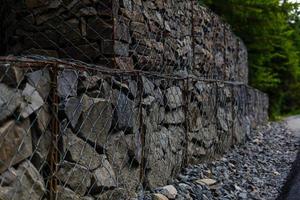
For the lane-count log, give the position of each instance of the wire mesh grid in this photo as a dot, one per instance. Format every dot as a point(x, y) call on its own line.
point(113, 98)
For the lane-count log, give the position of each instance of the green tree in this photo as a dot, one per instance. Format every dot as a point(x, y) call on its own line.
point(270, 29)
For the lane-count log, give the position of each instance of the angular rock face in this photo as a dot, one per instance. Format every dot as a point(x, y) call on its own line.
point(81, 152)
point(10, 100)
point(28, 184)
point(124, 111)
point(67, 81)
point(11, 76)
point(164, 154)
point(40, 80)
point(32, 101)
point(77, 177)
point(96, 119)
point(16, 143)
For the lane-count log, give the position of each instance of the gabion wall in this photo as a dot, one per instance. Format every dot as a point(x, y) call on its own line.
point(116, 97)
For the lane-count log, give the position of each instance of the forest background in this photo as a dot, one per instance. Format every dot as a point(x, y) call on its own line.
point(271, 32)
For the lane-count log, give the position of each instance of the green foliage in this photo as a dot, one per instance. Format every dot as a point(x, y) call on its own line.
point(271, 32)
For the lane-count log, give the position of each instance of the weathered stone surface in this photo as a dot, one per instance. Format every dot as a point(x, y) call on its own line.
point(67, 81)
point(77, 177)
point(157, 196)
point(28, 184)
point(16, 145)
point(81, 152)
point(40, 80)
point(169, 191)
point(175, 117)
point(124, 111)
point(96, 119)
point(164, 154)
point(32, 101)
point(10, 75)
point(10, 100)
point(42, 145)
point(174, 97)
point(73, 109)
point(148, 86)
point(65, 193)
point(43, 118)
point(104, 176)
point(8, 177)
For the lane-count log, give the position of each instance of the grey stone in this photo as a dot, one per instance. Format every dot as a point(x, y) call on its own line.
point(67, 81)
point(148, 100)
point(77, 177)
point(10, 75)
point(104, 176)
point(42, 147)
point(96, 119)
point(164, 155)
point(8, 177)
point(169, 191)
point(10, 100)
point(40, 80)
point(174, 97)
point(148, 86)
point(124, 111)
point(43, 118)
point(32, 101)
point(29, 184)
point(73, 109)
point(64, 193)
point(81, 152)
point(16, 143)
point(175, 117)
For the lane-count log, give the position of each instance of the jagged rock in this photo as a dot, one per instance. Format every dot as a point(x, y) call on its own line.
point(64, 193)
point(118, 193)
point(157, 196)
point(175, 117)
point(81, 152)
point(10, 100)
point(40, 80)
point(67, 81)
point(169, 191)
point(77, 177)
point(174, 97)
point(124, 111)
point(10, 75)
point(8, 177)
point(104, 176)
point(32, 101)
point(148, 86)
point(222, 117)
point(148, 100)
point(73, 109)
point(206, 181)
point(42, 146)
point(43, 118)
point(164, 155)
point(195, 123)
point(29, 184)
point(16, 143)
point(96, 119)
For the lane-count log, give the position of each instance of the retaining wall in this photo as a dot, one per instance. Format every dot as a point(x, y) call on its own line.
point(157, 85)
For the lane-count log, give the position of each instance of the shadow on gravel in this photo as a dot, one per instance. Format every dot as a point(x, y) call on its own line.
point(291, 188)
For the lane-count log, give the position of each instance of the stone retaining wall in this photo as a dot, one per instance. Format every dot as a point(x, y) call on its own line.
point(154, 35)
point(117, 131)
point(163, 85)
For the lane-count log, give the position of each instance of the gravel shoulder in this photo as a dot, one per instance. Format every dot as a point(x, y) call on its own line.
point(254, 170)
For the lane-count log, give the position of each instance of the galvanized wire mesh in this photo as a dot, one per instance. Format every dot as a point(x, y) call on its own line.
point(112, 98)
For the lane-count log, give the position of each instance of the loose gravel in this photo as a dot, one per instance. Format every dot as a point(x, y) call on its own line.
point(254, 170)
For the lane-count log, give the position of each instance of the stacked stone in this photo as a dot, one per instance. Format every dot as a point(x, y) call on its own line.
point(81, 30)
point(155, 35)
point(113, 128)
